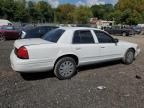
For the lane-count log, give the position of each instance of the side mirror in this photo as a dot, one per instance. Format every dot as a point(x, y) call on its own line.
point(116, 40)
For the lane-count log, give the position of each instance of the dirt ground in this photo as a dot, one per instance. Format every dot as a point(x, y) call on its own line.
point(124, 84)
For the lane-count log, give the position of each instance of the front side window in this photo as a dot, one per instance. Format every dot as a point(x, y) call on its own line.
point(103, 37)
point(8, 28)
point(54, 35)
point(83, 37)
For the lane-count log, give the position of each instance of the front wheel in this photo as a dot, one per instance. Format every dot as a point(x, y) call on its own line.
point(65, 68)
point(129, 57)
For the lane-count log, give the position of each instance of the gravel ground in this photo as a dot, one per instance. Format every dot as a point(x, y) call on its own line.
point(124, 85)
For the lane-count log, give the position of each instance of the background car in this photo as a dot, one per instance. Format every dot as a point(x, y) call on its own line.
point(4, 22)
point(9, 33)
point(36, 32)
point(118, 30)
point(136, 29)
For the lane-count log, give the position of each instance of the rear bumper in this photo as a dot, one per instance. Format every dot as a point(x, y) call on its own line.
point(29, 66)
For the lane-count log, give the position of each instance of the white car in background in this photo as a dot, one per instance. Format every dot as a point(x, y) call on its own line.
point(4, 22)
point(64, 49)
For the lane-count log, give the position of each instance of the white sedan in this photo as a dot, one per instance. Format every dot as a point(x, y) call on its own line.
point(64, 49)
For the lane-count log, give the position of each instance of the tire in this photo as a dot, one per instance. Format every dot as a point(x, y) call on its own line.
point(124, 34)
point(129, 57)
point(65, 68)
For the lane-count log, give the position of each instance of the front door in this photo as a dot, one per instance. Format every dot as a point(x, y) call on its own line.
point(108, 48)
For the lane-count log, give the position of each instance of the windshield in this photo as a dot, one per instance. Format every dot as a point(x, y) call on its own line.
point(7, 28)
point(54, 35)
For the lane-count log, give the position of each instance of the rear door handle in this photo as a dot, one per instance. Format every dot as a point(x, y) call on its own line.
point(77, 48)
point(102, 47)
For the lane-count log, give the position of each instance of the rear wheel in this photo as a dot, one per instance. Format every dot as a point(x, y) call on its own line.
point(124, 34)
point(65, 68)
point(2, 38)
point(129, 57)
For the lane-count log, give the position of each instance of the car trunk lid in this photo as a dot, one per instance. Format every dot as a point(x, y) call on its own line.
point(27, 42)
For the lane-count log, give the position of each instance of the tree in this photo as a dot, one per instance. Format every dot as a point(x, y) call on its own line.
point(132, 11)
point(8, 9)
point(115, 16)
point(21, 13)
point(82, 14)
point(102, 11)
point(44, 11)
point(134, 18)
point(1, 8)
point(31, 11)
point(65, 14)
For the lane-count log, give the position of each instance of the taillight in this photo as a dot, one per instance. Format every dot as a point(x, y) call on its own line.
point(22, 53)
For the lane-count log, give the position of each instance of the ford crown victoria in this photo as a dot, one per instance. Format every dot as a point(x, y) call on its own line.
point(64, 49)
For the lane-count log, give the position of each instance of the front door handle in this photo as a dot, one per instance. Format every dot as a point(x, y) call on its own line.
point(102, 47)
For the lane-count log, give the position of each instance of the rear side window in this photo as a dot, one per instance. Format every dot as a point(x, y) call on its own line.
point(103, 37)
point(83, 37)
point(54, 35)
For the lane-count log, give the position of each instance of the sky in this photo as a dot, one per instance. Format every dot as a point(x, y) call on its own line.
point(55, 3)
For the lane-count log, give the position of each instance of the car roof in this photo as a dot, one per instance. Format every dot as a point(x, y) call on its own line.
point(79, 28)
point(45, 26)
point(37, 27)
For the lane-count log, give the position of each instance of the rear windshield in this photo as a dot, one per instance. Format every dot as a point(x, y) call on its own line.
point(54, 35)
point(31, 33)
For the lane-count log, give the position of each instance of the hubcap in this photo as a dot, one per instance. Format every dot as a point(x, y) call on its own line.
point(124, 34)
point(130, 56)
point(66, 68)
point(2, 38)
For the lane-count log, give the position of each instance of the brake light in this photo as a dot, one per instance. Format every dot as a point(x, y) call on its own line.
point(22, 53)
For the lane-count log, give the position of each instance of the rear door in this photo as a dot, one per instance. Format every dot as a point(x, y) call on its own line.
point(84, 46)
